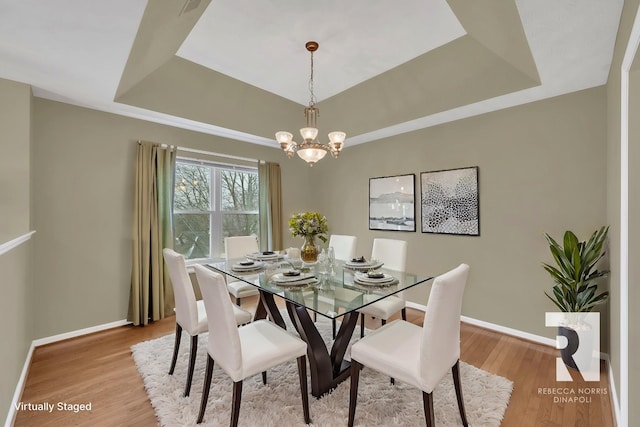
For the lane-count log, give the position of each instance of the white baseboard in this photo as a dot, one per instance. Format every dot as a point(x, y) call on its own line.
point(19, 388)
point(509, 331)
point(415, 305)
point(495, 327)
point(48, 340)
point(78, 333)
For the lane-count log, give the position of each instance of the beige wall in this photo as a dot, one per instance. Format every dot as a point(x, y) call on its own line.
point(15, 105)
point(15, 277)
point(83, 175)
point(541, 170)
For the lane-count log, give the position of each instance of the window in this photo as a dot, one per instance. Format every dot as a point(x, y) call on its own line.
point(211, 202)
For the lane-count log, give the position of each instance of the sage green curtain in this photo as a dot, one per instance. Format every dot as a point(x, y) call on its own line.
point(151, 291)
point(270, 206)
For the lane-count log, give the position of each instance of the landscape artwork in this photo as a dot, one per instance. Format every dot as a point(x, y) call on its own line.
point(392, 203)
point(450, 201)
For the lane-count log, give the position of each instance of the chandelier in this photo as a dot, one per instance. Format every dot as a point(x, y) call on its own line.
point(310, 150)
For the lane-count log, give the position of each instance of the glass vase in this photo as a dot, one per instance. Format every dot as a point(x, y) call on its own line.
point(309, 250)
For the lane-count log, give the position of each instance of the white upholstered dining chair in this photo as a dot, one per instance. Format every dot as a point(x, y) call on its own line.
point(393, 253)
point(237, 247)
point(344, 246)
point(418, 356)
point(245, 351)
point(191, 316)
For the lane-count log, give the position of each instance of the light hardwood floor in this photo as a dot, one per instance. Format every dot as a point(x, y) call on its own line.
point(99, 369)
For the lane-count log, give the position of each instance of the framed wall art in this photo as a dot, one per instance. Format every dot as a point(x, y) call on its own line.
point(450, 201)
point(392, 203)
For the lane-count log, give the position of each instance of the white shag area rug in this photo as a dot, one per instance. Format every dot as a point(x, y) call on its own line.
point(278, 403)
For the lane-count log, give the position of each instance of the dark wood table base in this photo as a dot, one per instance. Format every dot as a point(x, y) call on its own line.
point(327, 369)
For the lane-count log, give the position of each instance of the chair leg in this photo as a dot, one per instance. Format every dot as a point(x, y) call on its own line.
point(302, 373)
point(235, 405)
point(205, 389)
point(264, 377)
point(192, 364)
point(176, 346)
point(427, 400)
point(455, 370)
point(353, 391)
point(238, 302)
point(361, 325)
point(404, 313)
point(333, 328)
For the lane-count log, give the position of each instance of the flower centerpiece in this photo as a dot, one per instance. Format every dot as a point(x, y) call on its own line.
point(309, 225)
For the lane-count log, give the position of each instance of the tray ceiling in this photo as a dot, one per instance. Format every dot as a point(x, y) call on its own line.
point(239, 68)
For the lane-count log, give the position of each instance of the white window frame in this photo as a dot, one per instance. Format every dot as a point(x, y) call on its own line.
point(215, 211)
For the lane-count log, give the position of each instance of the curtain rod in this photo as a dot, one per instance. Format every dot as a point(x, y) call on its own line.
point(210, 153)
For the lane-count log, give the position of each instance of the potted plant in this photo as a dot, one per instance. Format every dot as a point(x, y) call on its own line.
point(309, 225)
point(576, 279)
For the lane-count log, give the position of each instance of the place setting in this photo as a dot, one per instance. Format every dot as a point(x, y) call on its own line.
point(247, 266)
point(374, 278)
point(293, 278)
point(361, 264)
point(264, 256)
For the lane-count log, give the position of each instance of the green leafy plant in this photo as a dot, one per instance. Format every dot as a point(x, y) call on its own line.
point(575, 275)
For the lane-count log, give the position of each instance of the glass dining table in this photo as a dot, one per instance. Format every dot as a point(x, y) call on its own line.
point(336, 295)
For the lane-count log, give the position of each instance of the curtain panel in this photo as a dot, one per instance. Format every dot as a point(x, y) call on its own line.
point(270, 206)
point(151, 296)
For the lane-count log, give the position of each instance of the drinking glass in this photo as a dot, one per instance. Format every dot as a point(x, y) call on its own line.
point(322, 262)
point(331, 260)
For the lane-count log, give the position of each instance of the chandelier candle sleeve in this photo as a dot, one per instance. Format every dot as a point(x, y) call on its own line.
point(310, 150)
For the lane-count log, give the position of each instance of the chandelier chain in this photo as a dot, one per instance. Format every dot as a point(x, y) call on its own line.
point(312, 101)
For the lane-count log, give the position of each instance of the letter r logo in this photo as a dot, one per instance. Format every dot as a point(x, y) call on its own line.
point(578, 340)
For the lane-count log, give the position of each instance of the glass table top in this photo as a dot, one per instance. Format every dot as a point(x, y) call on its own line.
point(329, 294)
